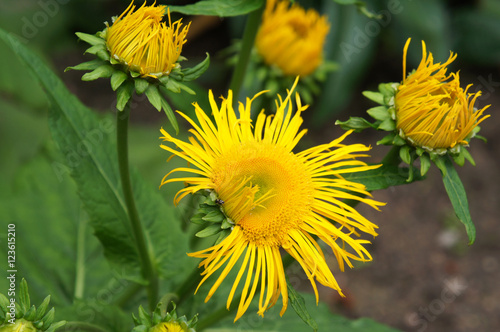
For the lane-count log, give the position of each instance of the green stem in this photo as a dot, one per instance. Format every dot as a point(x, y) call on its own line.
point(129, 293)
point(251, 28)
point(392, 157)
point(148, 272)
point(82, 326)
point(80, 258)
point(189, 285)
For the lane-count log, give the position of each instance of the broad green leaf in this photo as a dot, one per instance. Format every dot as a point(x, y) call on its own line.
point(355, 123)
point(87, 143)
point(458, 197)
point(220, 8)
point(382, 177)
point(291, 322)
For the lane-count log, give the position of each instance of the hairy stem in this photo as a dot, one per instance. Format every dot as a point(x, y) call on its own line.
point(148, 271)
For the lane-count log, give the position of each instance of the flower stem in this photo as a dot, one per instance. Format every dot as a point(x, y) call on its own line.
point(148, 272)
point(392, 157)
point(251, 27)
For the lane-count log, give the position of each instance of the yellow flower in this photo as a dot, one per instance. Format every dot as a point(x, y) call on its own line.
point(140, 40)
point(292, 38)
point(21, 325)
point(432, 110)
point(168, 327)
point(277, 199)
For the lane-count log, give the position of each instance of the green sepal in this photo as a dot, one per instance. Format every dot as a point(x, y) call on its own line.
point(468, 156)
point(154, 96)
point(439, 162)
point(95, 49)
point(214, 217)
point(387, 89)
point(425, 164)
point(356, 123)
point(398, 140)
point(387, 140)
point(170, 113)
point(186, 88)
point(209, 231)
point(198, 219)
point(298, 304)
point(141, 85)
point(222, 235)
point(379, 113)
point(196, 71)
point(144, 317)
point(30, 314)
point(140, 328)
point(48, 319)
point(38, 324)
point(173, 86)
point(24, 297)
point(101, 71)
point(123, 95)
point(388, 125)
point(89, 65)
point(40, 312)
point(226, 224)
point(117, 79)
point(458, 197)
point(104, 55)
point(134, 74)
point(458, 158)
point(404, 154)
point(4, 302)
point(90, 39)
point(374, 96)
point(55, 326)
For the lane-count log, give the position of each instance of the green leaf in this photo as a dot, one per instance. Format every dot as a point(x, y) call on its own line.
point(298, 304)
point(361, 6)
point(458, 197)
point(425, 164)
point(117, 79)
point(355, 123)
point(91, 39)
point(381, 178)
point(375, 96)
point(88, 146)
point(24, 296)
point(220, 8)
point(195, 72)
point(291, 322)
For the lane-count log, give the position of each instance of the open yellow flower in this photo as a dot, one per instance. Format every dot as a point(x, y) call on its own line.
point(432, 110)
point(140, 40)
point(292, 38)
point(277, 199)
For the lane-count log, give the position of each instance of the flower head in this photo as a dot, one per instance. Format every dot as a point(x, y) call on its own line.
point(292, 38)
point(275, 198)
point(161, 321)
point(142, 41)
point(432, 110)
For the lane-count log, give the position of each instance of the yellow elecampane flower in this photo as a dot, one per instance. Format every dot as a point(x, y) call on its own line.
point(168, 327)
point(278, 199)
point(432, 110)
point(142, 41)
point(292, 38)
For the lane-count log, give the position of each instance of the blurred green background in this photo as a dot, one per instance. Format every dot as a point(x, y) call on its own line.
point(421, 244)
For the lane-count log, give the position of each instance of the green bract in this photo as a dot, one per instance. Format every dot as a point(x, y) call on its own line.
point(27, 317)
point(156, 322)
point(125, 80)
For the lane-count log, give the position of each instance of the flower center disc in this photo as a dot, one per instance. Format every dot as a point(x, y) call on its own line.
point(273, 180)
